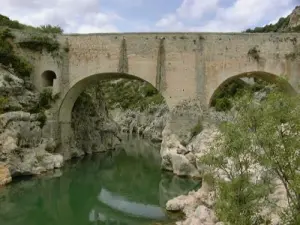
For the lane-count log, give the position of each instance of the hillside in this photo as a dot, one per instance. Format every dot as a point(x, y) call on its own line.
point(291, 23)
point(6, 22)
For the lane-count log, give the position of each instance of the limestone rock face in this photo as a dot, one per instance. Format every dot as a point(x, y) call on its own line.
point(174, 158)
point(295, 17)
point(196, 205)
point(183, 118)
point(94, 130)
point(5, 176)
point(180, 153)
point(148, 124)
point(23, 150)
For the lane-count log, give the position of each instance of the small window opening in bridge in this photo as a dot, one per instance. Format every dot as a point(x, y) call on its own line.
point(48, 78)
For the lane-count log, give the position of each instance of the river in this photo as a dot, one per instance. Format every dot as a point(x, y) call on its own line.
point(122, 187)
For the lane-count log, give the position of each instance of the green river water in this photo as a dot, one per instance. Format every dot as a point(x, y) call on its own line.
point(124, 187)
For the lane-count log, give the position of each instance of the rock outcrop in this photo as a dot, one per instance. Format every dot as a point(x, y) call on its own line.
point(295, 18)
point(197, 207)
point(148, 124)
point(23, 150)
point(181, 146)
point(94, 129)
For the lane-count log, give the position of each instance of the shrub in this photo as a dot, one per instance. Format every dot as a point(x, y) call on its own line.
point(130, 94)
point(3, 102)
point(277, 27)
point(254, 53)
point(44, 102)
point(196, 129)
point(149, 90)
point(8, 57)
point(267, 135)
point(21, 66)
point(5, 21)
point(51, 29)
point(38, 43)
point(42, 118)
point(223, 104)
point(6, 33)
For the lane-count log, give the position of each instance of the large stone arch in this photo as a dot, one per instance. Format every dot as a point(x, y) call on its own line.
point(75, 89)
point(270, 77)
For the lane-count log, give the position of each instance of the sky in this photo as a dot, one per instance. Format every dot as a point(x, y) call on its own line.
point(95, 16)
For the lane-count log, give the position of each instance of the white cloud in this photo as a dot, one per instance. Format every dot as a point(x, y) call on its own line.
point(239, 16)
point(90, 16)
point(196, 9)
point(170, 21)
point(73, 15)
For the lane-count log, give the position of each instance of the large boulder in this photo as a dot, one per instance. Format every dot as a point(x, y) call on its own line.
point(196, 205)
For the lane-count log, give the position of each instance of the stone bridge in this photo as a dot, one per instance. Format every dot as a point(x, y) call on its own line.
point(180, 65)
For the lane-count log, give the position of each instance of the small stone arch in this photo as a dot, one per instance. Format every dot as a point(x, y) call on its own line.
point(48, 78)
point(272, 78)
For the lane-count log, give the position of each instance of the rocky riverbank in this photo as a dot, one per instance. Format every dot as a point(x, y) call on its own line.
point(182, 154)
point(23, 150)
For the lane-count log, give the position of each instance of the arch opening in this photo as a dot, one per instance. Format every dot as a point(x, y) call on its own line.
point(80, 86)
point(253, 81)
point(48, 78)
point(88, 121)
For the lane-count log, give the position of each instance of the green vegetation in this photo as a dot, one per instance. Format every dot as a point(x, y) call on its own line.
point(254, 53)
point(8, 57)
point(51, 29)
point(45, 101)
point(280, 26)
point(3, 102)
point(13, 24)
point(38, 43)
point(196, 129)
point(130, 94)
point(224, 96)
point(264, 136)
point(6, 22)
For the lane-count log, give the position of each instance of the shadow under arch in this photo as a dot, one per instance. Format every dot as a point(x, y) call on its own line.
point(67, 103)
point(269, 77)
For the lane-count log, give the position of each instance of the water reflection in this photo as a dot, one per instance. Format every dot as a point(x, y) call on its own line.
point(126, 187)
point(120, 203)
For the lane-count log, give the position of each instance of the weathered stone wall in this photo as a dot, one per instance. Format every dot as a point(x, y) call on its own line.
point(181, 65)
point(187, 64)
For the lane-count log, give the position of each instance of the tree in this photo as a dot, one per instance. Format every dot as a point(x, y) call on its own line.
point(263, 140)
point(51, 29)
